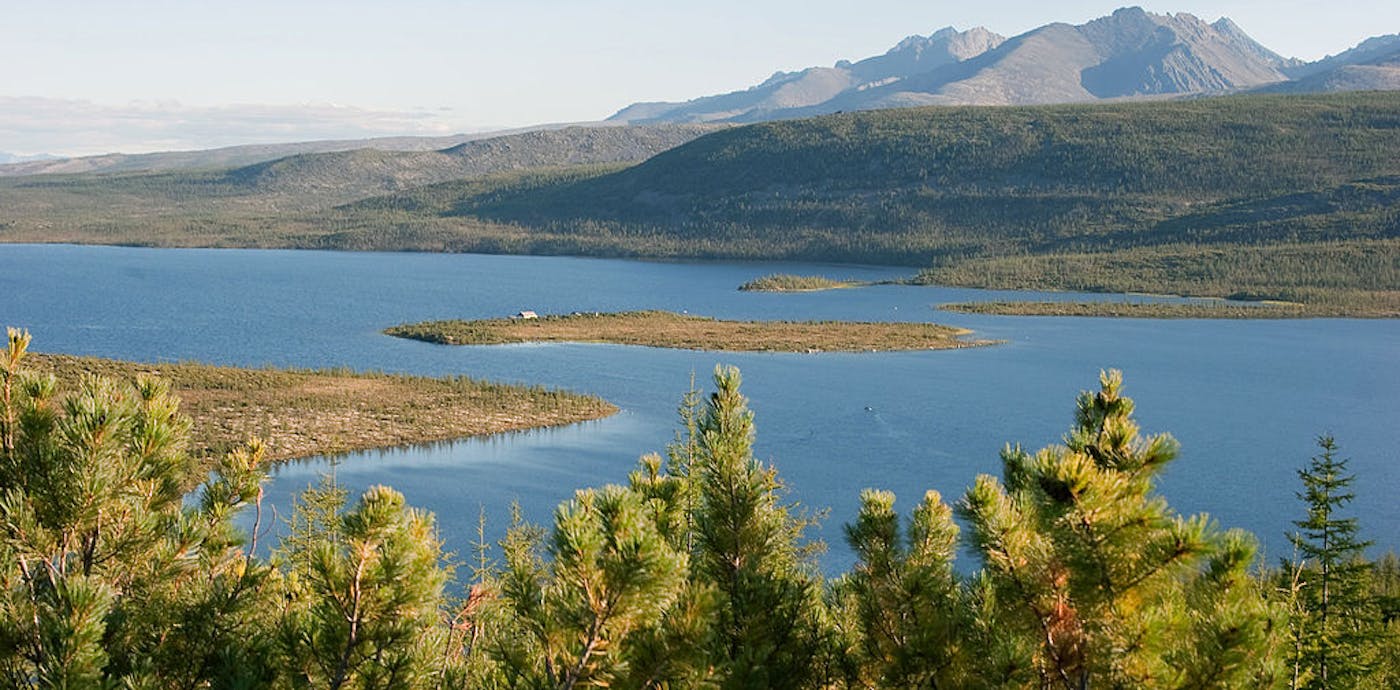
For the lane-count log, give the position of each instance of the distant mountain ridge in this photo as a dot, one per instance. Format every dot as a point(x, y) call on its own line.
point(342, 175)
point(1374, 65)
point(1129, 54)
point(224, 157)
point(7, 158)
point(247, 154)
point(787, 91)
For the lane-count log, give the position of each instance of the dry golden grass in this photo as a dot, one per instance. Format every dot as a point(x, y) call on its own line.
point(667, 329)
point(304, 413)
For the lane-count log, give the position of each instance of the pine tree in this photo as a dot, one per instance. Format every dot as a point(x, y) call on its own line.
point(747, 544)
point(1338, 622)
point(601, 603)
point(106, 575)
point(913, 623)
point(366, 598)
point(1101, 581)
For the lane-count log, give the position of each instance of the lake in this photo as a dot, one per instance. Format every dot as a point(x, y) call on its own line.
point(1246, 399)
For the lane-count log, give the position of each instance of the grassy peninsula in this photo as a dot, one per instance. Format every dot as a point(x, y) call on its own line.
point(684, 331)
point(302, 413)
point(787, 282)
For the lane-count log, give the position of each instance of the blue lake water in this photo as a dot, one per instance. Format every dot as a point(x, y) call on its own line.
point(1245, 398)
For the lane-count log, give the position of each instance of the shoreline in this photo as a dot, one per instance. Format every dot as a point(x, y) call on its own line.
point(1313, 310)
point(306, 413)
point(1163, 310)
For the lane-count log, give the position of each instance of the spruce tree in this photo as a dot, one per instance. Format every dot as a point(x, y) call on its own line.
point(1338, 623)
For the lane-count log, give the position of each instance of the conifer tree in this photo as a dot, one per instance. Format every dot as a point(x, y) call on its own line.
point(1338, 624)
point(746, 543)
point(1385, 587)
point(101, 561)
point(1105, 585)
point(594, 615)
point(913, 622)
point(366, 598)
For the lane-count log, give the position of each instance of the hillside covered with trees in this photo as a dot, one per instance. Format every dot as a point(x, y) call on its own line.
point(1294, 198)
point(693, 572)
point(1277, 196)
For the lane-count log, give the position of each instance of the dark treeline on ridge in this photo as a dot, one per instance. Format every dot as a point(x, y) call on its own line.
point(692, 573)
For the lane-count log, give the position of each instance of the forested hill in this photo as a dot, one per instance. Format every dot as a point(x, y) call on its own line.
point(1034, 174)
point(943, 187)
point(1289, 196)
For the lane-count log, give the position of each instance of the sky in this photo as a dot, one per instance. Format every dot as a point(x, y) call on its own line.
point(94, 76)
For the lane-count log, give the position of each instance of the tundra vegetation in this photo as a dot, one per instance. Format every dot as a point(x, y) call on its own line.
point(693, 571)
point(687, 331)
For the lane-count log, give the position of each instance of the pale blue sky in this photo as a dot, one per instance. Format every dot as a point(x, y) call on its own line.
point(321, 69)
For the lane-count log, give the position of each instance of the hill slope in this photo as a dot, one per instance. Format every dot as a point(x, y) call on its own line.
point(249, 204)
point(1295, 197)
point(948, 187)
point(211, 159)
point(253, 154)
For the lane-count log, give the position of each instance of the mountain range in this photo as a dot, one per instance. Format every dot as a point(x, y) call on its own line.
point(234, 156)
point(1129, 54)
point(7, 158)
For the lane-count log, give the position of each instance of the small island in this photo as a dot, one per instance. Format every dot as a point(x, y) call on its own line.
point(786, 282)
point(683, 331)
point(301, 413)
point(1146, 310)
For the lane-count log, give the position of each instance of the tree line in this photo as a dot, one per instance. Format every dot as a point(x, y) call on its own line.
point(693, 573)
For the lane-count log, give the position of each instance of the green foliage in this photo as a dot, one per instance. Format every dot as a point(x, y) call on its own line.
point(106, 575)
point(1345, 277)
point(786, 282)
point(1336, 626)
point(746, 544)
point(915, 626)
point(690, 576)
point(1113, 586)
point(1385, 587)
point(1212, 309)
point(693, 575)
point(364, 598)
point(608, 592)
